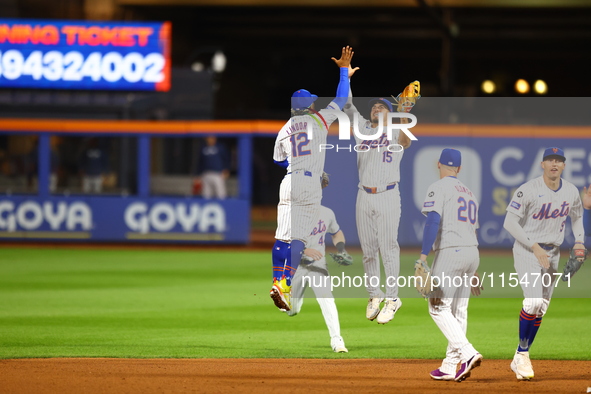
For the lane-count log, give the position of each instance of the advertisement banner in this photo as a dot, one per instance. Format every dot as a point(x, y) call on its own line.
point(493, 168)
point(99, 218)
point(57, 54)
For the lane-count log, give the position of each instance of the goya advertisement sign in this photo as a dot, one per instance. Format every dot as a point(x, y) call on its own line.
point(84, 55)
point(103, 218)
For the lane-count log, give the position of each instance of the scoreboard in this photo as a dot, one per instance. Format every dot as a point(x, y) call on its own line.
point(84, 55)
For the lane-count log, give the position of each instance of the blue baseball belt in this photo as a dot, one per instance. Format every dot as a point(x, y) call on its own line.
point(547, 246)
point(374, 190)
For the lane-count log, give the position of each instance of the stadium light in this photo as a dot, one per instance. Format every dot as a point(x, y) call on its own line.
point(488, 86)
point(521, 86)
point(218, 62)
point(540, 87)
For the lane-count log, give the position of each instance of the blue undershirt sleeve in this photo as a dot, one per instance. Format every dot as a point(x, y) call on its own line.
point(343, 88)
point(587, 222)
point(430, 231)
point(283, 163)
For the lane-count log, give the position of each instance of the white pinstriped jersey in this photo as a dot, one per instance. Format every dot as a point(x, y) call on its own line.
point(458, 208)
point(378, 166)
point(543, 211)
point(327, 224)
point(294, 144)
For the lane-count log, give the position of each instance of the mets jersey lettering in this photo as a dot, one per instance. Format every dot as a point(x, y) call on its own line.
point(544, 212)
point(534, 200)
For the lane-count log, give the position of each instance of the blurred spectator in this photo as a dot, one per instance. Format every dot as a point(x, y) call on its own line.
point(213, 168)
point(93, 164)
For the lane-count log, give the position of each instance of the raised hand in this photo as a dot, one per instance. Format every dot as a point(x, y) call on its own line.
point(345, 59)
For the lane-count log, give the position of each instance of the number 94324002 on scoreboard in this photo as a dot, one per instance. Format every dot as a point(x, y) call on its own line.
point(84, 55)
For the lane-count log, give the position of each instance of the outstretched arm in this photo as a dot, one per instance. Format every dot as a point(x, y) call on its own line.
point(344, 63)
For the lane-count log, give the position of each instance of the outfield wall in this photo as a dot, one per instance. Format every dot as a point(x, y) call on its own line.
point(496, 159)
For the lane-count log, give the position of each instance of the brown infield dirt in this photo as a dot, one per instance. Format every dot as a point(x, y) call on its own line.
point(101, 375)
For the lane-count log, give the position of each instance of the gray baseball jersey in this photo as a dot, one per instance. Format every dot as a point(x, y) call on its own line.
point(458, 208)
point(543, 211)
point(301, 149)
point(378, 166)
point(327, 224)
point(300, 191)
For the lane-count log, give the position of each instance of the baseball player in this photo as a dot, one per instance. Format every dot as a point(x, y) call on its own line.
point(300, 192)
point(536, 218)
point(313, 272)
point(378, 205)
point(452, 219)
point(587, 213)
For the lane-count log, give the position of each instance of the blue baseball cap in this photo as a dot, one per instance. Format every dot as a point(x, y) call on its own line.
point(451, 157)
point(302, 99)
point(554, 152)
point(382, 101)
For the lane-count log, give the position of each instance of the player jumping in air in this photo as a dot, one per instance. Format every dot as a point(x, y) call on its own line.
point(378, 205)
point(536, 218)
point(452, 219)
point(297, 150)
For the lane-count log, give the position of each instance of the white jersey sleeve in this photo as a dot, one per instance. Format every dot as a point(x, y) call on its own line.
point(520, 201)
point(434, 199)
point(458, 208)
point(331, 220)
point(282, 149)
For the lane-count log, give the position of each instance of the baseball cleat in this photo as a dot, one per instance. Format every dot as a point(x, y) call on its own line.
point(522, 367)
point(280, 293)
point(373, 308)
point(438, 375)
point(389, 309)
point(467, 367)
point(338, 345)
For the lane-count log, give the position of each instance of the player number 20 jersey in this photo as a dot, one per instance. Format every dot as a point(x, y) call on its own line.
point(458, 208)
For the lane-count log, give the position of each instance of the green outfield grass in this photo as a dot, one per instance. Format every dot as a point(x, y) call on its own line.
point(164, 303)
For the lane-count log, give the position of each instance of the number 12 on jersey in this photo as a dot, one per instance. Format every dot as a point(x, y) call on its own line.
point(298, 145)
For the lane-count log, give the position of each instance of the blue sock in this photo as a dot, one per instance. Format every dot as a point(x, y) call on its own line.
point(293, 259)
point(534, 330)
point(280, 252)
point(526, 326)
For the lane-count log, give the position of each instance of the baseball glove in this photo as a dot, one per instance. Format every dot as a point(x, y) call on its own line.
point(424, 280)
point(409, 96)
point(325, 180)
point(343, 258)
point(575, 261)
